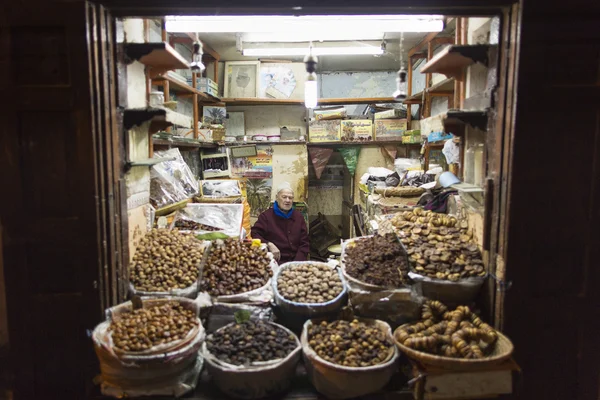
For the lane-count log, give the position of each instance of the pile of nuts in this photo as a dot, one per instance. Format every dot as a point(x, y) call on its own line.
point(189, 225)
point(147, 327)
point(248, 342)
point(235, 267)
point(309, 283)
point(437, 247)
point(166, 260)
point(377, 260)
point(457, 334)
point(352, 344)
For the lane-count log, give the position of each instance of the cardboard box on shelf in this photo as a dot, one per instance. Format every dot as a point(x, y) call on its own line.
point(390, 129)
point(389, 114)
point(357, 130)
point(324, 131)
point(411, 139)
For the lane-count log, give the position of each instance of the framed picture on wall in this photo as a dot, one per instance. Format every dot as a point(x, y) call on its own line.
point(235, 124)
point(242, 79)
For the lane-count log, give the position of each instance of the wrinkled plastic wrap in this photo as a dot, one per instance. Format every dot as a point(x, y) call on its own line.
point(463, 291)
point(452, 152)
point(395, 306)
point(260, 379)
point(220, 217)
point(222, 314)
point(336, 381)
point(221, 188)
point(401, 165)
point(319, 157)
point(171, 372)
point(189, 292)
point(171, 181)
point(350, 155)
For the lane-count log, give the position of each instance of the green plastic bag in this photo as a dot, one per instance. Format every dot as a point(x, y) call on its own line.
point(212, 236)
point(350, 155)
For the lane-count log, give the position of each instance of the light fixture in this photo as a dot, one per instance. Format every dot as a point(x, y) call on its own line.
point(318, 51)
point(310, 86)
point(318, 24)
point(197, 65)
point(400, 93)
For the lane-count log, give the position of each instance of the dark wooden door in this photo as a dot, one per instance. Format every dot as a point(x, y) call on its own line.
point(59, 179)
point(552, 234)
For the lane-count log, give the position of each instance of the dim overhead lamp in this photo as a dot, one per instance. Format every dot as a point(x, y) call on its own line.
point(400, 93)
point(310, 86)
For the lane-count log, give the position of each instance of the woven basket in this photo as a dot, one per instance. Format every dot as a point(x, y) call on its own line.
point(402, 191)
point(502, 351)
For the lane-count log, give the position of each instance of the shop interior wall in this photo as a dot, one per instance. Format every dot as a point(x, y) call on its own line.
point(328, 200)
point(138, 178)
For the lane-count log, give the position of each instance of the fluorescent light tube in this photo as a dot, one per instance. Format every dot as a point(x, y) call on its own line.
point(320, 25)
point(317, 51)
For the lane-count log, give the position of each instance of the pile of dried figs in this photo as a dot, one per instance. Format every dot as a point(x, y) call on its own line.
point(438, 246)
point(457, 334)
point(189, 225)
point(234, 267)
point(147, 327)
point(377, 260)
point(166, 260)
point(352, 344)
point(309, 283)
point(251, 341)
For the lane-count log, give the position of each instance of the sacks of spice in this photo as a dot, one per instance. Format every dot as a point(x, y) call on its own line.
point(152, 350)
point(346, 359)
point(376, 271)
point(251, 359)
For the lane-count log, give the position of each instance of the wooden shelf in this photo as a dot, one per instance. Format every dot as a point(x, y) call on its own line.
point(180, 87)
point(177, 143)
point(147, 162)
point(159, 55)
point(364, 143)
point(454, 59)
point(290, 142)
point(475, 118)
point(445, 86)
point(416, 98)
point(322, 102)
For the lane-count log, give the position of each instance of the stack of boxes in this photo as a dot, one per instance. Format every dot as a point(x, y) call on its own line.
point(206, 85)
point(386, 126)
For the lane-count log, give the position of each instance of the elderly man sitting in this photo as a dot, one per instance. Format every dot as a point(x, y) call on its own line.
point(283, 228)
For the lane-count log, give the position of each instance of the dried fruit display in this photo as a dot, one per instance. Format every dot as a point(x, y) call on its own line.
point(437, 247)
point(309, 283)
point(166, 260)
point(189, 225)
point(377, 260)
point(458, 334)
point(144, 328)
point(248, 342)
point(234, 267)
point(352, 344)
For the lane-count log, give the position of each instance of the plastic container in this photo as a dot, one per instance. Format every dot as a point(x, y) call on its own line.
point(157, 99)
point(259, 380)
point(339, 382)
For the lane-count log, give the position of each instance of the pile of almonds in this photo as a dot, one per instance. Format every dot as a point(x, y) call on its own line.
point(248, 342)
point(438, 246)
point(309, 283)
point(377, 260)
point(147, 327)
point(234, 267)
point(166, 260)
point(352, 344)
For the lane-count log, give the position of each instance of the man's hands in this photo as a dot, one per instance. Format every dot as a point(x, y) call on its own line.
point(273, 249)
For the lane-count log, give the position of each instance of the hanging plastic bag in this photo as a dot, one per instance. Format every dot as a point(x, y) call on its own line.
point(319, 157)
point(350, 155)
